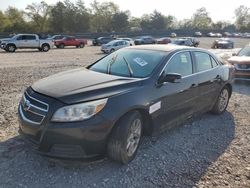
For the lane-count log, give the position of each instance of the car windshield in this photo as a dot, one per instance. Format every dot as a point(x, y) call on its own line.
point(134, 63)
point(111, 43)
point(245, 51)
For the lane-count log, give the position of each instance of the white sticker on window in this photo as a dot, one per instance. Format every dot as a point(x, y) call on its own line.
point(155, 107)
point(140, 61)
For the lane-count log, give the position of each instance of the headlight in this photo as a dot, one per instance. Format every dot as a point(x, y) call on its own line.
point(79, 112)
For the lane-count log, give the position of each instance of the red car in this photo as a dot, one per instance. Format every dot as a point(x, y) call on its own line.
point(164, 40)
point(70, 41)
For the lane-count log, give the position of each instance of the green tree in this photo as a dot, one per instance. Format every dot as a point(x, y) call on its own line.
point(201, 19)
point(170, 22)
point(39, 15)
point(16, 22)
point(242, 14)
point(120, 21)
point(102, 16)
point(4, 22)
point(158, 21)
point(146, 22)
point(57, 18)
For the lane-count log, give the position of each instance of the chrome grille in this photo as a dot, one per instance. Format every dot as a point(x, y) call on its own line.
point(33, 110)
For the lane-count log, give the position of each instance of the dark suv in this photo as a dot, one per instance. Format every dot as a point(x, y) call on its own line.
point(101, 40)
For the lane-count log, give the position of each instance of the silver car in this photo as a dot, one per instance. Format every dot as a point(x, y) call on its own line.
point(114, 45)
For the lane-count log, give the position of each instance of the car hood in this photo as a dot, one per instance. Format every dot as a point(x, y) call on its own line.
point(80, 85)
point(5, 39)
point(239, 60)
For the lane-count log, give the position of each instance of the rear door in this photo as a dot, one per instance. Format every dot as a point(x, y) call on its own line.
point(208, 71)
point(31, 41)
point(177, 100)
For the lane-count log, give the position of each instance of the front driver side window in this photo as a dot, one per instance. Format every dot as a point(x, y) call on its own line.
point(180, 63)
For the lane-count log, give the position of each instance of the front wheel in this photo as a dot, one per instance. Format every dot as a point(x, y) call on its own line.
point(11, 48)
point(112, 50)
point(125, 138)
point(222, 101)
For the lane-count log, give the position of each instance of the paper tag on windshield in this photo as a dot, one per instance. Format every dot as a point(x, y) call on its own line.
point(140, 61)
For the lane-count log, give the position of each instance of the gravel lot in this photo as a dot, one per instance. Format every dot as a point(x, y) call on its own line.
point(209, 151)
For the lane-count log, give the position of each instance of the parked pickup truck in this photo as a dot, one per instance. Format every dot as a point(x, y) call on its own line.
point(26, 41)
point(70, 41)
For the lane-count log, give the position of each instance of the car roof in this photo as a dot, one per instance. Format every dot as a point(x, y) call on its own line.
point(115, 41)
point(160, 47)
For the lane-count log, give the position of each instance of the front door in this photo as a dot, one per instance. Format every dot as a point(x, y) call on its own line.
point(177, 100)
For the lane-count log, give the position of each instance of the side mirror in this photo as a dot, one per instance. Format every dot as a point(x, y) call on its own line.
point(171, 77)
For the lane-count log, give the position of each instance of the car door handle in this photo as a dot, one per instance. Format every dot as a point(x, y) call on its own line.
point(217, 78)
point(194, 85)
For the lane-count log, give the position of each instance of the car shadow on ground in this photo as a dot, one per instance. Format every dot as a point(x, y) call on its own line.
point(177, 158)
point(21, 51)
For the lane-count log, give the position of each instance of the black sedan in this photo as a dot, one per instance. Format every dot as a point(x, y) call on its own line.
point(182, 42)
point(108, 106)
point(101, 40)
point(223, 43)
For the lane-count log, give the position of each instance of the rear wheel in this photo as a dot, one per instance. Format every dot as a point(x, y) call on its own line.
point(45, 47)
point(125, 138)
point(222, 101)
point(81, 45)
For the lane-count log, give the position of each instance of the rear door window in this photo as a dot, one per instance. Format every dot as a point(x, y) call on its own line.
point(203, 61)
point(29, 37)
point(214, 63)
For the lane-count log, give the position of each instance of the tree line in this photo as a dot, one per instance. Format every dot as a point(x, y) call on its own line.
point(68, 17)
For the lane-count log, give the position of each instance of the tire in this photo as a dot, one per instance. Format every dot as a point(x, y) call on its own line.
point(111, 51)
point(222, 101)
point(61, 45)
point(45, 47)
point(81, 45)
point(11, 48)
point(125, 138)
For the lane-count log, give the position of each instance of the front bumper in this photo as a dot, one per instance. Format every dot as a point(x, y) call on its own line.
point(83, 139)
point(106, 51)
point(240, 73)
point(3, 46)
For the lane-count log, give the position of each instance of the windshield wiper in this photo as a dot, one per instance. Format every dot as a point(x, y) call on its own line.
point(111, 63)
point(129, 67)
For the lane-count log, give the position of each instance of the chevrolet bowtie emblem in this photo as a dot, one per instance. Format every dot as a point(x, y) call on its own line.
point(26, 105)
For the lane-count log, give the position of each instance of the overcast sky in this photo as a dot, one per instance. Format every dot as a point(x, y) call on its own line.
point(218, 9)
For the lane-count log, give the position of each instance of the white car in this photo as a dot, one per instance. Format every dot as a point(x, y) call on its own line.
point(131, 41)
point(114, 45)
point(26, 41)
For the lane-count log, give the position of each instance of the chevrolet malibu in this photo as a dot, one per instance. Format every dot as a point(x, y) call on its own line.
point(108, 106)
